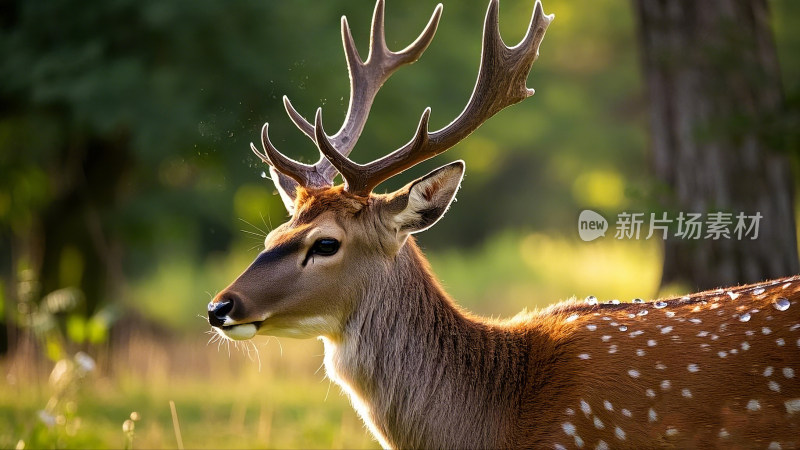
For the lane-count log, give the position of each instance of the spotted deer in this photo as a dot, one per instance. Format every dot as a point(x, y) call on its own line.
point(712, 369)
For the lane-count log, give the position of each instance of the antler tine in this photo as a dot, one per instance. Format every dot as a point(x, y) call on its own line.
point(366, 79)
point(303, 174)
point(349, 169)
point(534, 35)
point(298, 120)
point(501, 82)
point(368, 176)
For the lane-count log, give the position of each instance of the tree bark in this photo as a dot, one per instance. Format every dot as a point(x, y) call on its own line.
point(715, 97)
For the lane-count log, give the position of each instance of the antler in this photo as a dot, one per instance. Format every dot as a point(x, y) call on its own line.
point(501, 83)
point(366, 78)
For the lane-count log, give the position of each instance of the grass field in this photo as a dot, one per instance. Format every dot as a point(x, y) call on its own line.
point(220, 401)
point(279, 397)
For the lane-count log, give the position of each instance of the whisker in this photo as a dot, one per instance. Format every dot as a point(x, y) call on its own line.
point(259, 235)
point(268, 227)
point(269, 339)
point(258, 355)
point(320, 367)
point(328, 391)
point(259, 229)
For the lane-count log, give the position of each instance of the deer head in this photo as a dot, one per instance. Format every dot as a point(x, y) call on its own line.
point(311, 274)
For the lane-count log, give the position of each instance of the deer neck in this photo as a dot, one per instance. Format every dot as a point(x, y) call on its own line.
point(409, 359)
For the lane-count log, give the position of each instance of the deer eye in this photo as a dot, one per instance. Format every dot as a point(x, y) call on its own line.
point(325, 247)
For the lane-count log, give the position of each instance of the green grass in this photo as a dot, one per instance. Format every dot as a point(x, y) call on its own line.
point(228, 403)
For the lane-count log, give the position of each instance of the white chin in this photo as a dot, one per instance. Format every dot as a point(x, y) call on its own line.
point(239, 332)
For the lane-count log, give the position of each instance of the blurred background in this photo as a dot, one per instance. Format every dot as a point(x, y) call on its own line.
point(129, 196)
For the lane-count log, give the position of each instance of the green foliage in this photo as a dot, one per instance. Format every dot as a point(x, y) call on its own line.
point(513, 271)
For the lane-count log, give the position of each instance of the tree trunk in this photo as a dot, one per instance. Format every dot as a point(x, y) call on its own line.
point(715, 101)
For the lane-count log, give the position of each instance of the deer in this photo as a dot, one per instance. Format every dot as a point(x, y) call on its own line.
point(717, 368)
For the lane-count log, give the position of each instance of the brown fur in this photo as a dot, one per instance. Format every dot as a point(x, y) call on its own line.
point(435, 376)
point(422, 372)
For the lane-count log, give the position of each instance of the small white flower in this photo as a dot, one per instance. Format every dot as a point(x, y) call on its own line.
point(85, 362)
point(47, 418)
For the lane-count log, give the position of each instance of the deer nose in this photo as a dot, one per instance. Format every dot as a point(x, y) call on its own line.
point(218, 311)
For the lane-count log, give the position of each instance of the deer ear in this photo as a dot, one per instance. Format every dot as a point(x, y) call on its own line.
point(421, 203)
point(287, 188)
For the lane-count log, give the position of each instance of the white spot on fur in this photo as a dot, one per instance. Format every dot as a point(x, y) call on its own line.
point(766, 330)
point(702, 334)
point(651, 415)
point(722, 354)
point(768, 371)
point(753, 405)
point(578, 441)
point(692, 368)
point(686, 393)
point(671, 431)
point(666, 330)
point(569, 412)
point(584, 356)
point(774, 446)
point(607, 404)
point(568, 428)
point(780, 342)
point(792, 406)
point(619, 433)
point(605, 338)
point(788, 372)
point(745, 346)
point(640, 352)
point(660, 366)
point(723, 433)
point(601, 445)
point(571, 318)
point(650, 393)
point(634, 373)
point(651, 343)
point(591, 327)
point(774, 386)
point(598, 423)
point(665, 385)
point(585, 407)
point(627, 413)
